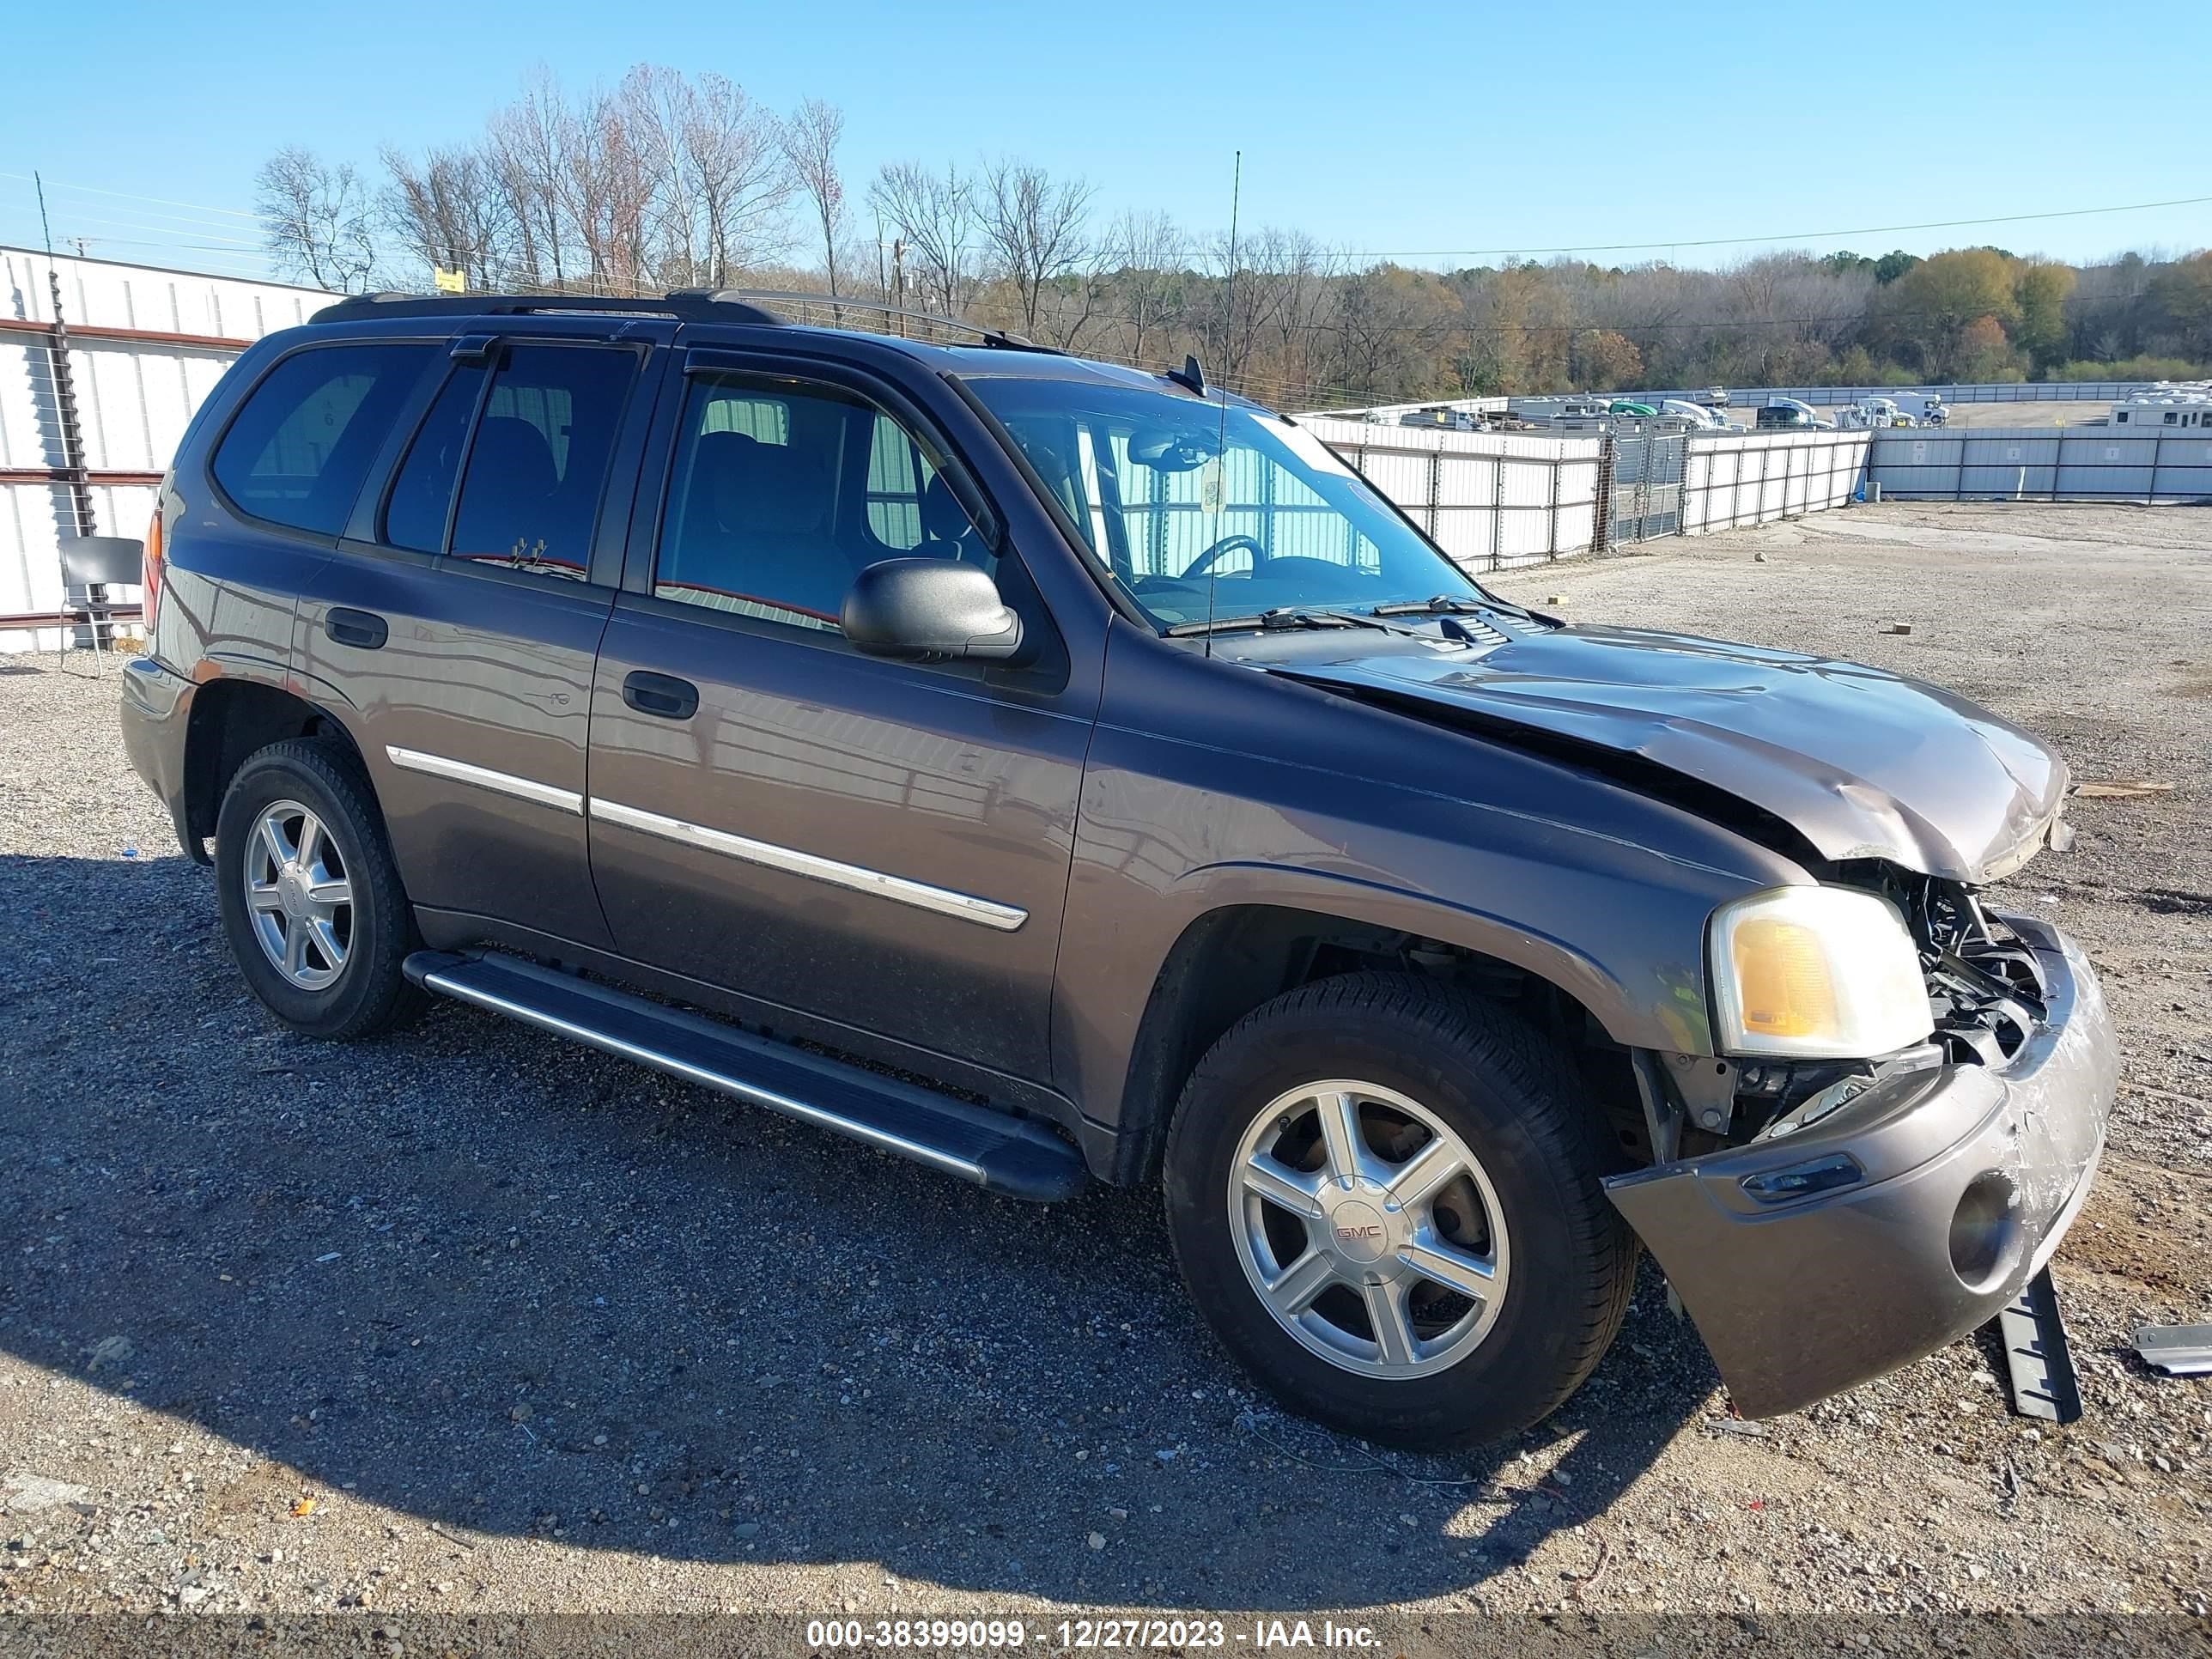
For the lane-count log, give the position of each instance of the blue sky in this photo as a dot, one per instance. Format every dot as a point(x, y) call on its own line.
point(1404, 129)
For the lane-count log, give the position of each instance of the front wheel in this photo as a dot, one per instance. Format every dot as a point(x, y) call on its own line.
point(311, 899)
point(1384, 1195)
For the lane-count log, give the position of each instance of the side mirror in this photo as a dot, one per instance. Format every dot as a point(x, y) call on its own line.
point(930, 608)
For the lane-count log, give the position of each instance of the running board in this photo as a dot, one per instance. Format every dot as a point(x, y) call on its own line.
point(997, 1151)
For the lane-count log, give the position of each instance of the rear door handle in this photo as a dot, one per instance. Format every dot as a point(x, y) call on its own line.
point(362, 627)
point(660, 694)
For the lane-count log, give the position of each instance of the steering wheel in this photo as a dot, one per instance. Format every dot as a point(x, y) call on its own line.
point(1229, 544)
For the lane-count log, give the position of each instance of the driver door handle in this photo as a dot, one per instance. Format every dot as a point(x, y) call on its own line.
point(662, 695)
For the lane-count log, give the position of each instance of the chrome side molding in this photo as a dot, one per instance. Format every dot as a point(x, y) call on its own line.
point(482, 777)
point(1004, 918)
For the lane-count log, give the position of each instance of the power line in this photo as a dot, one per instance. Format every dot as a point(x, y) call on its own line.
point(135, 196)
point(1794, 236)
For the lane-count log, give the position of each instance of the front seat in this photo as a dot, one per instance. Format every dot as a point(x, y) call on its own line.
point(947, 533)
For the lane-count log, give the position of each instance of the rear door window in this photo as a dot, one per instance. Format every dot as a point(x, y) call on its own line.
point(301, 446)
point(415, 515)
point(536, 465)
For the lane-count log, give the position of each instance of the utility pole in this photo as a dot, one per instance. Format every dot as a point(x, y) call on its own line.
point(898, 281)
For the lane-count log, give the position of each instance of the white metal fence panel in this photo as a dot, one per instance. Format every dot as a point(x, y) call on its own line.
point(1490, 499)
point(145, 347)
point(2091, 464)
point(1754, 478)
point(1496, 500)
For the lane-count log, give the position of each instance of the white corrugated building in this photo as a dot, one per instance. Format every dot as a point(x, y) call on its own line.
point(143, 347)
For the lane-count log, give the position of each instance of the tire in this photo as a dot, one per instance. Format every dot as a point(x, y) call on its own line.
point(364, 992)
point(1429, 1055)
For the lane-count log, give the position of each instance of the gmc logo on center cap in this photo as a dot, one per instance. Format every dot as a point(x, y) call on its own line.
point(1368, 1231)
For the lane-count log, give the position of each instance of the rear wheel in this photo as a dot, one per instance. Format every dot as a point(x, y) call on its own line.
point(1384, 1195)
point(310, 897)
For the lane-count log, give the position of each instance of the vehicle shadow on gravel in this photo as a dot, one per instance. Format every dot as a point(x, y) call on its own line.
point(514, 1288)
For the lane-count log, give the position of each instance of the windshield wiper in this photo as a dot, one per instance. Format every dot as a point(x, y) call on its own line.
point(1449, 605)
point(1281, 617)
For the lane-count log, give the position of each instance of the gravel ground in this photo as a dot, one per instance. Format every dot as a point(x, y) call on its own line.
point(466, 1320)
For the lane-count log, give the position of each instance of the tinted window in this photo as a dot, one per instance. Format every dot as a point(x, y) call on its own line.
point(1199, 508)
point(784, 495)
point(537, 463)
point(301, 445)
point(414, 516)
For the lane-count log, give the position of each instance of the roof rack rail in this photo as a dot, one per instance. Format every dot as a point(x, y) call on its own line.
point(686, 305)
point(997, 338)
point(694, 305)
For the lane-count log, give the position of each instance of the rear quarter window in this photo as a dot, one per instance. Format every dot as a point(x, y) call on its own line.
point(301, 446)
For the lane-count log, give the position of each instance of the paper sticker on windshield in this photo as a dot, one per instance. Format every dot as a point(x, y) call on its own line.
point(1210, 488)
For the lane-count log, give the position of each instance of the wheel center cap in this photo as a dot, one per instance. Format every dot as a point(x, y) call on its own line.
point(1359, 1229)
point(293, 892)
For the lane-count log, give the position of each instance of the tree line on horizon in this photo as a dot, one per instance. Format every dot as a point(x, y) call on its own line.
point(669, 180)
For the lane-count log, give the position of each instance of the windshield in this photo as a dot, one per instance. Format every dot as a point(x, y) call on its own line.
point(1199, 510)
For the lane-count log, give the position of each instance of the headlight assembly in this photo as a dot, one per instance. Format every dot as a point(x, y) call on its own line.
point(1816, 973)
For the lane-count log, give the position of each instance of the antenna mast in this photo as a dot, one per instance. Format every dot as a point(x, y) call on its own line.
point(1220, 462)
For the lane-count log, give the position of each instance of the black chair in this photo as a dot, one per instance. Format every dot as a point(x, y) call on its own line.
point(91, 565)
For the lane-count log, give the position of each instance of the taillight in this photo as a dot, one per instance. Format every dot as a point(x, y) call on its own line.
point(150, 574)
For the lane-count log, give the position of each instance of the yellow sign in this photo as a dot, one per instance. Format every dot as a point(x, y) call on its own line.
point(449, 282)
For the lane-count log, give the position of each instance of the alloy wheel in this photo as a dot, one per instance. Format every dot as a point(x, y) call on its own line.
point(299, 897)
point(1368, 1229)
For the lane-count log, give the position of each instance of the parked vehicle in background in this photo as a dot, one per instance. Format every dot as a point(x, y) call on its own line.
point(1699, 416)
point(1624, 406)
point(1923, 408)
point(1714, 397)
point(1441, 418)
point(1789, 412)
point(1045, 770)
point(1872, 413)
point(2165, 407)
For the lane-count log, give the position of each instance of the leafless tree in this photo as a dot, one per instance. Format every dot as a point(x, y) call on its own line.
point(673, 180)
point(811, 139)
point(605, 192)
point(1149, 253)
point(1034, 229)
point(449, 212)
point(934, 214)
point(524, 149)
point(736, 175)
point(317, 219)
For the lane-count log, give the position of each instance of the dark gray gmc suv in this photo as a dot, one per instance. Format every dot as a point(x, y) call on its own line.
point(1045, 770)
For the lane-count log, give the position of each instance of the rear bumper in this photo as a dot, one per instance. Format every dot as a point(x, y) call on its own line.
point(1798, 1300)
point(156, 719)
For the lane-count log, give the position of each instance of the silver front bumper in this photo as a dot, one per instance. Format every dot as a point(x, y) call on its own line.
point(1799, 1300)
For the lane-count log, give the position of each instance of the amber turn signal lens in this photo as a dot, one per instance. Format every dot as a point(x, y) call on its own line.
point(1784, 974)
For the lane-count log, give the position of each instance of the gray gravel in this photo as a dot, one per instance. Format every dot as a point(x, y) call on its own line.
point(467, 1319)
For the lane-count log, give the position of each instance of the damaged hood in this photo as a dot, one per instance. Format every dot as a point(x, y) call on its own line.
point(1862, 762)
